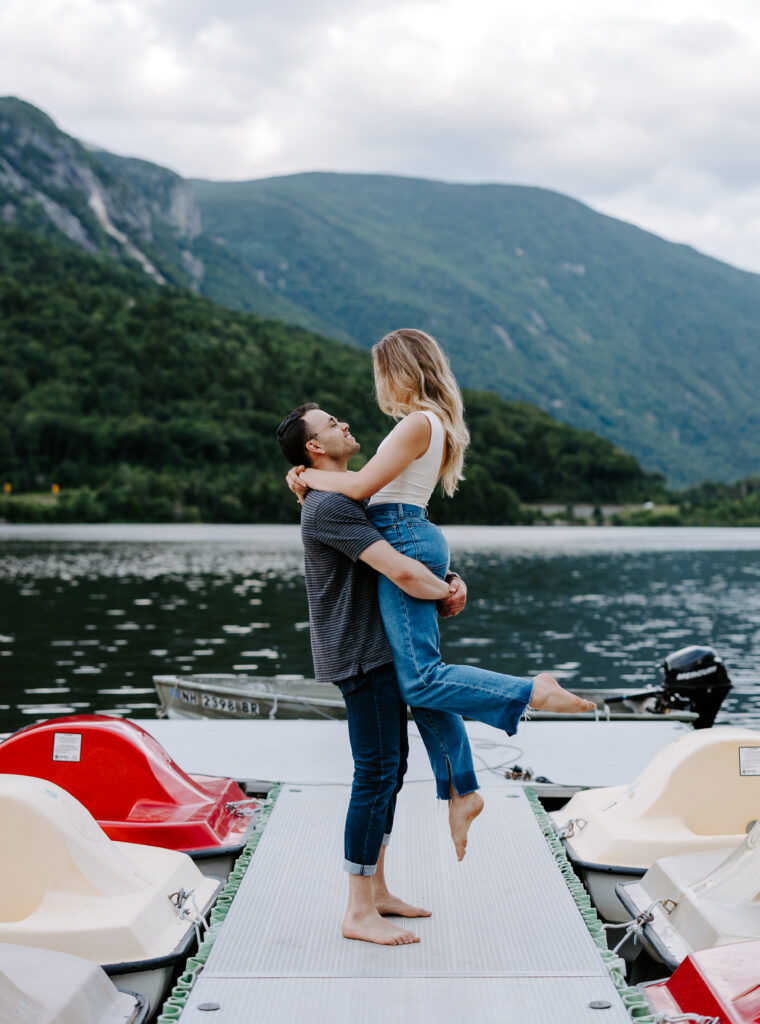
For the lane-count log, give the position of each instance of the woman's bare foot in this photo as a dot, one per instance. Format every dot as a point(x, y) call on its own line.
point(463, 810)
point(370, 927)
point(548, 695)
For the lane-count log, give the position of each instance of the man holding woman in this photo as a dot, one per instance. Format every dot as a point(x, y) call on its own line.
point(414, 384)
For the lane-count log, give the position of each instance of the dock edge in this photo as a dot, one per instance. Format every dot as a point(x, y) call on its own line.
point(633, 1000)
point(175, 1002)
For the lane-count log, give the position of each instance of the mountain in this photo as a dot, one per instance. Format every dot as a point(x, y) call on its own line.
point(535, 296)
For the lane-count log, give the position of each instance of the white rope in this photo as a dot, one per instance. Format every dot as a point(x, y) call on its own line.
point(179, 900)
point(636, 926)
point(567, 831)
point(685, 1018)
point(236, 807)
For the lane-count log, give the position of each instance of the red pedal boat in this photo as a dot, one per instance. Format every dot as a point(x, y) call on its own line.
point(722, 982)
point(133, 789)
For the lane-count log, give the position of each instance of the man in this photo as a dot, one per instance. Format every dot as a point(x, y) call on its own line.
point(342, 554)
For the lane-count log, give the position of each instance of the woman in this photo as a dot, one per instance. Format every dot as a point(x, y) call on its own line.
point(414, 384)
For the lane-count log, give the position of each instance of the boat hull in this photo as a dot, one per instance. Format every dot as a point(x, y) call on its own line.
point(698, 901)
point(601, 881)
point(723, 982)
point(239, 696)
point(75, 990)
point(152, 978)
point(244, 697)
point(699, 793)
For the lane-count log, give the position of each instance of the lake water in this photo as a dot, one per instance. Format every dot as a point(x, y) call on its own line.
point(88, 614)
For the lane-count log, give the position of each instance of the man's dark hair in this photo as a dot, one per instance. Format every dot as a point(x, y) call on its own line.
point(293, 433)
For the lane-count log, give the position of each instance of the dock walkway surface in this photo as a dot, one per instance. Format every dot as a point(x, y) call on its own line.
point(505, 942)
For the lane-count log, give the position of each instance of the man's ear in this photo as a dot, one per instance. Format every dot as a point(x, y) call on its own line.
point(314, 447)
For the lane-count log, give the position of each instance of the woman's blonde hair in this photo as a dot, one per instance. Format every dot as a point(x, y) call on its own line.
point(412, 373)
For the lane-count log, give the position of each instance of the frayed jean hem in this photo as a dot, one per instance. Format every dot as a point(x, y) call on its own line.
point(464, 782)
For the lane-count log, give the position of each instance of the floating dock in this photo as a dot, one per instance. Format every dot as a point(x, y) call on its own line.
point(506, 941)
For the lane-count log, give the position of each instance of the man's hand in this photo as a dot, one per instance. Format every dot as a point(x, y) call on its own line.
point(457, 599)
point(293, 480)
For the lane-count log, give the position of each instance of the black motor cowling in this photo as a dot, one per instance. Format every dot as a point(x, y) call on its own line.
point(695, 678)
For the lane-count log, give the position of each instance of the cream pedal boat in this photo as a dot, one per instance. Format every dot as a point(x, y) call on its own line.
point(128, 907)
point(697, 901)
point(700, 792)
point(57, 988)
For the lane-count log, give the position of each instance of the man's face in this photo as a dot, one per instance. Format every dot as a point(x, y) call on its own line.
point(331, 435)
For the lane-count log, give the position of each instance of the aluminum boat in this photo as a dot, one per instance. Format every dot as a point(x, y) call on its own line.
point(694, 683)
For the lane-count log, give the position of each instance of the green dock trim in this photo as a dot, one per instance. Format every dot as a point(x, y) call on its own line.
point(176, 1000)
point(633, 1000)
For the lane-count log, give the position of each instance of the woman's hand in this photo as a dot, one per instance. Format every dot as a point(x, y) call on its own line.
point(296, 485)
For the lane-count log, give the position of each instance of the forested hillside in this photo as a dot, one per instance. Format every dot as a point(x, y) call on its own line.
point(148, 403)
point(536, 296)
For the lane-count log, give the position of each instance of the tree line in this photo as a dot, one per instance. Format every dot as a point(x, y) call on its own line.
point(151, 404)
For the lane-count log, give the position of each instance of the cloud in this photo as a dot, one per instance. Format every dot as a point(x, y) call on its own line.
point(646, 110)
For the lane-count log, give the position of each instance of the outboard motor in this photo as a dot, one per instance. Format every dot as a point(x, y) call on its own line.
point(694, 678)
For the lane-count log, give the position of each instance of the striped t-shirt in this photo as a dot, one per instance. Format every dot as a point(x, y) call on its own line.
point(347, 635)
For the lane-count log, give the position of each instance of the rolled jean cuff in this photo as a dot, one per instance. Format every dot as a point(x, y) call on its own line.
point(464, 782)
point(386, 839)
point(359, 869)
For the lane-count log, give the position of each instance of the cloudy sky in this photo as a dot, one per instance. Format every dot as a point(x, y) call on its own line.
point(649, 111)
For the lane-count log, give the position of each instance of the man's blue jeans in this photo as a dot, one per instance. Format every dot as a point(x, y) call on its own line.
point(377, 719)
point(377, 730)
point(411, 626)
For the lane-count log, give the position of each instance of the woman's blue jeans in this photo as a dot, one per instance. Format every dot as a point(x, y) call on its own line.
point(411, 626)
point(377, 720)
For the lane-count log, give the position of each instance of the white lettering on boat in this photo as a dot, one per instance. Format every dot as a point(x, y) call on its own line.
point(697, 673)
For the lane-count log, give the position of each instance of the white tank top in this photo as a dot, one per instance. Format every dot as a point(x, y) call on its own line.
point(416, 483)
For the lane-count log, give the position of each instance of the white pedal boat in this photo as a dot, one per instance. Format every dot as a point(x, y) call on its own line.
point(696, 901)
point(72, 889)
point(57, 988)
point(700, 792)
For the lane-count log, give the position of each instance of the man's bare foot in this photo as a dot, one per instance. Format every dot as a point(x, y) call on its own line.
point(463, 810)
point(548, 695)
point(370, 927)
point(392, 905)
